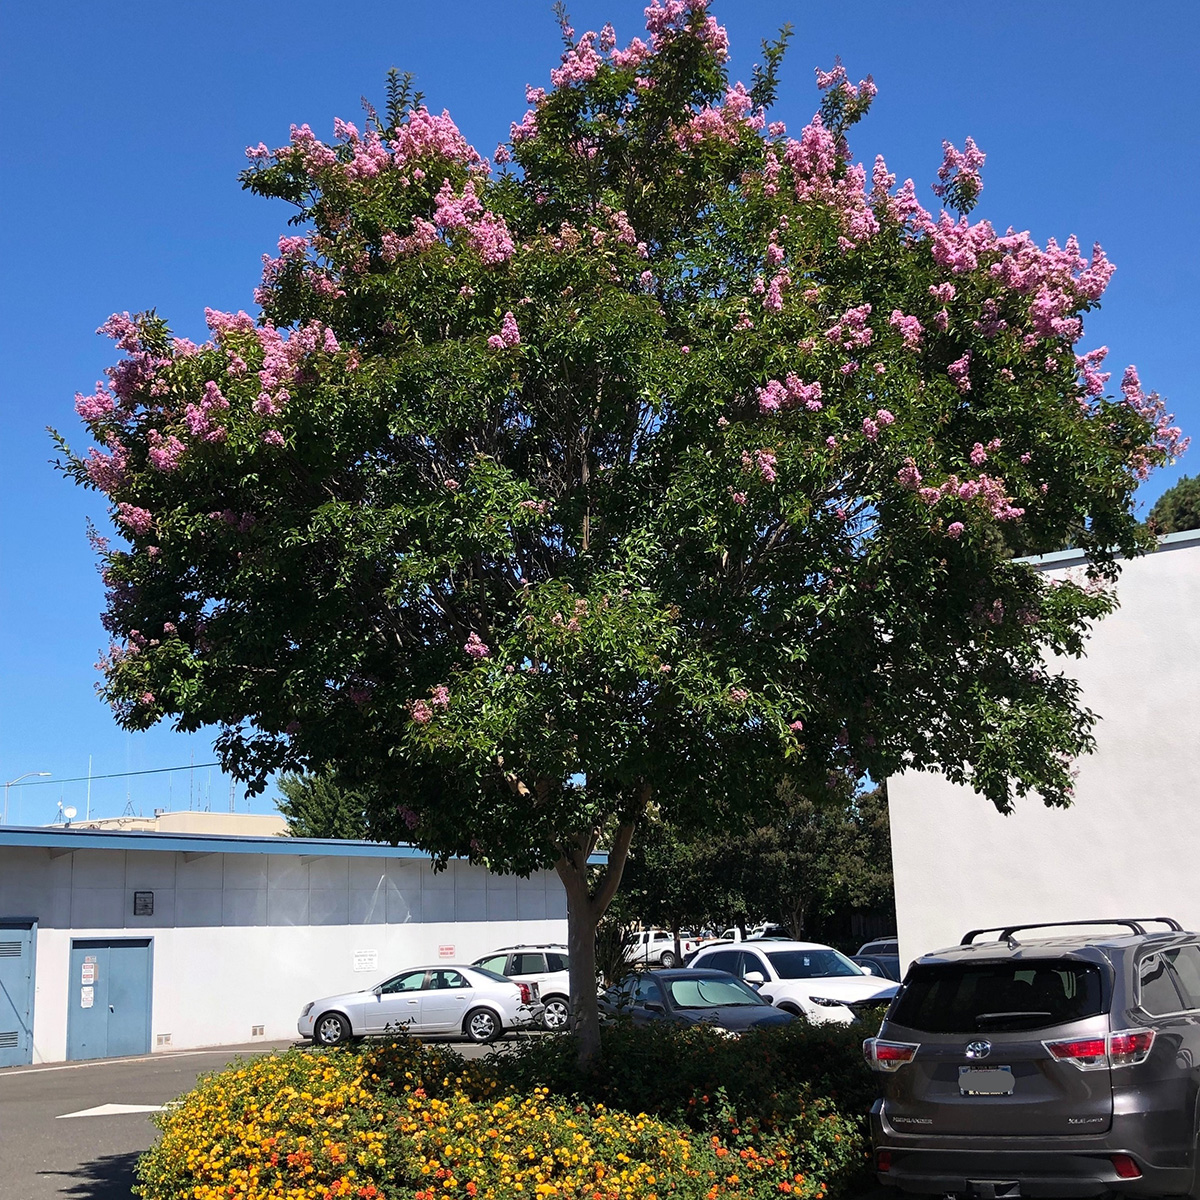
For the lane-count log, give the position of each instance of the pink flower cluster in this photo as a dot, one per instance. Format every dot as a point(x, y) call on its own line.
point(137, 520)
point(851, 329)
point(666, 19)
point(960, 170)
point(422, 135)
point(960, 372)
point(476, 648)
point(990, 489)
point(108, 471)
point(485, 231)
point(580, 63)
point(909, 327)
point(776, 395)
point(836, 80)
point(202, 420)
point(1167, 440)
point(1092, 378)
point(509, 335)
point(97, 406)
point(165, 452)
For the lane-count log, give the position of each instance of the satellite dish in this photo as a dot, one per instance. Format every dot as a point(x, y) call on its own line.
point(69, 813)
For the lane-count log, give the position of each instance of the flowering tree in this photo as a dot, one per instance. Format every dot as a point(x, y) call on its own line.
point(670, 454)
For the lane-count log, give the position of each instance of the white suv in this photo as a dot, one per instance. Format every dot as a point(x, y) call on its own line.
point(656, 946)
point(816, 981)
point(546, 968)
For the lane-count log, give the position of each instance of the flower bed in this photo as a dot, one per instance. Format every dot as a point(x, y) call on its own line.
point(733, 1119)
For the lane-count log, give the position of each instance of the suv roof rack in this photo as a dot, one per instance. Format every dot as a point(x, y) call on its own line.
point(1135, 925)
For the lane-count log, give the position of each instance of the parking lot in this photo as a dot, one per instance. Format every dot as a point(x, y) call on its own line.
point(77, 1129)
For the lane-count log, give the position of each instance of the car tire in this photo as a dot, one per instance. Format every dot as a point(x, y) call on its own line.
point(557, 1013)
point(331, 1029)
point(669, 960)
point(482, 1026)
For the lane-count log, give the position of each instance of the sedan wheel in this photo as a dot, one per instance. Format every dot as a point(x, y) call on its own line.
point(557, 1014)
point(481, 1026)
point(669, 960)
point(332, 1029)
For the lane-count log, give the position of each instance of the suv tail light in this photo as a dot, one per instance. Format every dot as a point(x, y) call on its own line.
point(888, 1056)
point(883, 1160)
point(526, 994)
point(1124, 1049)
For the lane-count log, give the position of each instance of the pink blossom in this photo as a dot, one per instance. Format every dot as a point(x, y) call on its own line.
point(943, 293)
point(765, 461)
point(908, 475)
point(870, 429)
point(796, 726)
point(739, 695)
point(423, 135)
point(1092, 378)
point(978, 455)
point(137, 520)
point(959, 174)
point(475, 647)
point(422, 714)
point(773, 300)
point(451, 485)
point(272, 437)
point(1026, 458)
point(959, 371)
point(580, 63)
point(884, 417)
point(440, 696)
point(97, 406)
point(633, 55)
point(737, 497)
point(910, 328)
point(165, 452)
point(955, 529)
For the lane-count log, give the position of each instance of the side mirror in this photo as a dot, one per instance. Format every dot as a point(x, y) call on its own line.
point(377, 990)
point(651, 1006)
point(866, 970)
point(754, 978)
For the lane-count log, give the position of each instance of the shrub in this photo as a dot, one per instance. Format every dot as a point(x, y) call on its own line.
point(304, 1126)
point(667, 1112)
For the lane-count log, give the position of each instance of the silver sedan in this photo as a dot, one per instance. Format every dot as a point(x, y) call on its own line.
point(446, 1000)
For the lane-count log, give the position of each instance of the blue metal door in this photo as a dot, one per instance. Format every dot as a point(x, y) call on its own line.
point(18, 939)
point(109, 996)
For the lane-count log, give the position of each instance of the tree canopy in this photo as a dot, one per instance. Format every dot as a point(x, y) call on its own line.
point(318, 806)
point(1178, 508)
point(663, 454)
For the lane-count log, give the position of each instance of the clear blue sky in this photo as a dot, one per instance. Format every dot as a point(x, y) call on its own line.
point(123, 131)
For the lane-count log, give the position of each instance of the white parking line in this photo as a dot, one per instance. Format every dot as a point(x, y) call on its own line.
point(112, 1110)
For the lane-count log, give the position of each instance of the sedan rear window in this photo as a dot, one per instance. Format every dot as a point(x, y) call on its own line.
point(998, 997)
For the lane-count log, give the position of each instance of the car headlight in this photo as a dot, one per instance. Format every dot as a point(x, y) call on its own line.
point(307, 1009)
point(825, 1002)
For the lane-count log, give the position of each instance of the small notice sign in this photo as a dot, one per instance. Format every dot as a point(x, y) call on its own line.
point(366, 960)
point(89, 973)
point(445, 952)
point(87, 997)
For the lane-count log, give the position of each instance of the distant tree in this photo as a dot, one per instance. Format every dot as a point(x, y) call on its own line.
point(1178, 508)
point(818, 856)
point(676, 881)
point(317, 806)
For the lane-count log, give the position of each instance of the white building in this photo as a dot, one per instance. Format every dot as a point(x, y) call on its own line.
point(1127, 845)
point(127, 942)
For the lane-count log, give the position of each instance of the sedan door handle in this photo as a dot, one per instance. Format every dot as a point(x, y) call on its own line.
point(111, 1009)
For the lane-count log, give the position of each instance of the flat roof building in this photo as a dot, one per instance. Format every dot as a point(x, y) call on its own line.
point(124, 942)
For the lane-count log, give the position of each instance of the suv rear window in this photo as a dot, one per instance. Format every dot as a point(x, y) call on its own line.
point(978, 997)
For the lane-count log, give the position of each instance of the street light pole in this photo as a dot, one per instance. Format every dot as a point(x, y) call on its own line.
point(27, 775)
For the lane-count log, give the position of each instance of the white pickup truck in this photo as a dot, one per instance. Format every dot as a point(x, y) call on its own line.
point(657, 947)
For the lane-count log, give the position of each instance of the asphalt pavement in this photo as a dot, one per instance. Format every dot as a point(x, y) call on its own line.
point(76, 1129)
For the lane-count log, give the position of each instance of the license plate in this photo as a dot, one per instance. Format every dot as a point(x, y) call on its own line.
point(985, 1081)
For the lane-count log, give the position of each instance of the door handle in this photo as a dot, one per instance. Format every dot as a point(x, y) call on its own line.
point(111, 1009)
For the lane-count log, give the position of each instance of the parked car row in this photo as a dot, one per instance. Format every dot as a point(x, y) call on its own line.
point(522, 987)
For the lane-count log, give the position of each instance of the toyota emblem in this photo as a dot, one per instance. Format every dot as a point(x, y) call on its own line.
point(979, 1049)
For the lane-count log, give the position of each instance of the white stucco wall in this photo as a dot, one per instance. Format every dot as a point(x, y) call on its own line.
point(241, 940)
point(1128, 846)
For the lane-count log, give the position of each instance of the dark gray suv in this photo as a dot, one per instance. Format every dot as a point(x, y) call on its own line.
point(1063, 1064)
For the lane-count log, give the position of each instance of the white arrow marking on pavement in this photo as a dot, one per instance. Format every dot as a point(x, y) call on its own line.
point(112, 1110)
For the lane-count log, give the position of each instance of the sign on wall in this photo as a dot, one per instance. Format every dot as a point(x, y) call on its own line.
point(445, 952)
point(366, 960)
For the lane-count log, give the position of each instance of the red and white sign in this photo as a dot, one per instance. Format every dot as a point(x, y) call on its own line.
point(445, 952)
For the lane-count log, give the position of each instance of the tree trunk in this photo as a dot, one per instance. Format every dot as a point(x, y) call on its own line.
point(585, 907)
